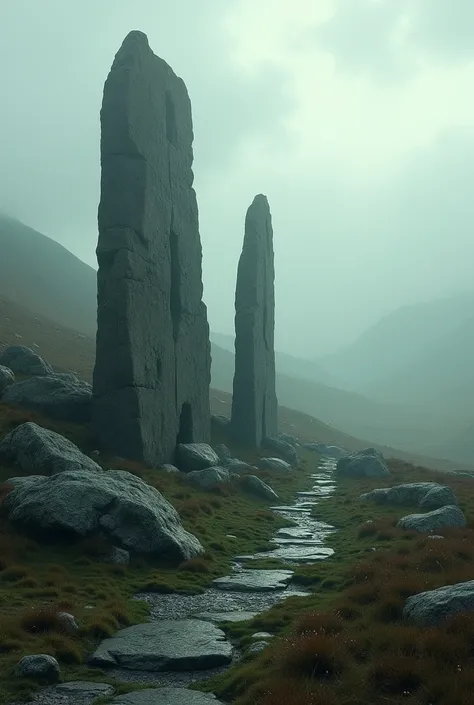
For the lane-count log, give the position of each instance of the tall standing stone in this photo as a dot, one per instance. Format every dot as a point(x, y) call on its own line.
point(254, 402)
point(152, 371)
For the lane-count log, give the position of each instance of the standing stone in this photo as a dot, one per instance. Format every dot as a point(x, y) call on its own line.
point(152, 371)
point(254, 402)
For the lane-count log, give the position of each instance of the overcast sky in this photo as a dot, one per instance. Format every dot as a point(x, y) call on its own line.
point(354, 117)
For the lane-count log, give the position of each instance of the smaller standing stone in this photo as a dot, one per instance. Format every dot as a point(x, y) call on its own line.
point(254, 402)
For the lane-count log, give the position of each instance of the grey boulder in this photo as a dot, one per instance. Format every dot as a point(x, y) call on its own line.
point(365, 463)
point(429, 495)
point(42, 452)
point(450, 515)
point(223, 453)
point(166, 696)
point(283, 449)
point(208, 478)
point(23, 360)
point(40, 666)
point(428, 609)
point(167, 467)
point(7, 377)
point(256, 486)
point(60, 396)
point(115, 503)
point(274, 464)
point(195, 456)
point(288, 438)
point(238, 466)
point(220, 421)
point(168, 645)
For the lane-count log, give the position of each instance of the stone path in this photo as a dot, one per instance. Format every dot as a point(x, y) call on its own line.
point(182, 643)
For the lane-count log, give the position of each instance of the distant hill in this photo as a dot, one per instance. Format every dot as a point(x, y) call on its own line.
point(66, 350)
point(286, 364)
point(38, 273)
point(387, 350)
point(48, 282)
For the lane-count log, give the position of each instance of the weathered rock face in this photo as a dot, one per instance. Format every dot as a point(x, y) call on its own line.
point(42, 452)
point(116, 503)
point(152, 372)
point(254, 402)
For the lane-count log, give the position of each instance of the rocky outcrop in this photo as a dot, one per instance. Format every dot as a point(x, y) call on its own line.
point(41, 667)
point(428, 609)
point(24, 361)
point(195, 456)
point(169, 645)
point(365, 463)
point(274, 464)
point(152, 371)
point(7, 377)
point(61, 396)
point(428, 495)
point(208, 478)
point(115, 503)
point(450, 515)
point(283, 449)
point(254, 402)
point(258, 487)
point(37, 450)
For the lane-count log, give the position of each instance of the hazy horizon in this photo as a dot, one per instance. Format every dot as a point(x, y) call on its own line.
point(354, 118)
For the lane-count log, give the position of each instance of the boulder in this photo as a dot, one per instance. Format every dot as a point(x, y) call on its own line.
point(283, 449)
point(237, 466)
point(364, 463)
point(256, 486)
point(429, 495)
point(274, 464)
point(7, 377)
point(323, 449)
point(61, 396)
point(38, 666)
point(450, 515)
point(42, 452)
point(223, 453)
point(168, 645)
point(220, 421)
point(208, 478)
point(257, 647)
point(169, 468)
point(153, 362)
point(118, 556)
point(24, 361)
point(428, 609)
point(288, 438)
point(254, 401)
point(195, 456)
point(116, 503)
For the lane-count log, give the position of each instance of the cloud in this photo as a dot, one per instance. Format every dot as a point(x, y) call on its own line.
point(355, 118)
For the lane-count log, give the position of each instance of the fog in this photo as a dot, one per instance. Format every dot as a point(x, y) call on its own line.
point(355, 118)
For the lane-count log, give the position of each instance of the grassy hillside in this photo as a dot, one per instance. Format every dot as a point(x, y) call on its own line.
point(397, 340)
point(38, 273)
point(66, 350)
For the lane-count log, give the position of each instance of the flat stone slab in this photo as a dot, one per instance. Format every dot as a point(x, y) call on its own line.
point(255, 581)
point(296, 542)
point(297, 509)
point(296, 554)
point(297, 532)
point(241, 616)
point(84, 689)
point(166, 696)
point(168, 645)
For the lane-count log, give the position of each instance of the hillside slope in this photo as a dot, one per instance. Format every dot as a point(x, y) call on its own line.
point(393, 344)
point(66, 350)
point(41, 275)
